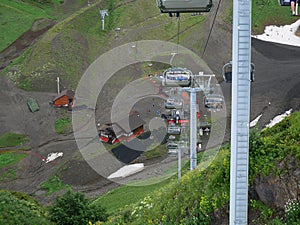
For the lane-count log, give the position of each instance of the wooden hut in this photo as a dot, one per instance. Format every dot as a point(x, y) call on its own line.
point(123, 130)
point(64, 99)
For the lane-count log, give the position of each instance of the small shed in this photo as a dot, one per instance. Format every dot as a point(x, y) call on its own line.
point(124, 129)
point(129, 127)
point(64, 99)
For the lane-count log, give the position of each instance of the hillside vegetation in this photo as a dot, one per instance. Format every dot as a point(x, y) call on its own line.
point(17, 17)
point(69, 47)
point(202, 197)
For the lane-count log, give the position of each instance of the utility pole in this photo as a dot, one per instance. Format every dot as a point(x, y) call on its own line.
point(103, 13)
point(179, 161)
point(57, 80)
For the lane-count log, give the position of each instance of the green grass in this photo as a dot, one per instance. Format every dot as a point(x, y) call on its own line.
point(10, 158)
point(202, 192)
point(125, 195)
point(266, 12)
point(19, 208)
point(8, 175)
point(54, 184)
point(62, 125)
point(158, 151)
point(81, 39)
point(11, 140)
point(16, 18)
point(271, 146)
point(74, 53)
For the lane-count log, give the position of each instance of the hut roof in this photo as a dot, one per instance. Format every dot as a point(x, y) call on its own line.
point(125, 125)
point(129, 124)
point(68, 93)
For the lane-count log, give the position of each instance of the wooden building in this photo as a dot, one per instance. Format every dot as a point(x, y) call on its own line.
point(123, 130)
point(64, 99)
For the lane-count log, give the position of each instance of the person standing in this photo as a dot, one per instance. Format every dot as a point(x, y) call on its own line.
point(294, 7)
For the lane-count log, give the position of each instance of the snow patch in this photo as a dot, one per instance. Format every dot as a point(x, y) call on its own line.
point(255, 121)
point(283, 34)
point(52, 156)
point(279, 118)
point(127, 170)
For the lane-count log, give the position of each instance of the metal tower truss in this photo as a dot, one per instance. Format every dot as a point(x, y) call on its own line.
point(241, 60)
point(200, 82)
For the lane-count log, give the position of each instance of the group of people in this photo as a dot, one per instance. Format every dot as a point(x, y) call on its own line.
point(294, 7)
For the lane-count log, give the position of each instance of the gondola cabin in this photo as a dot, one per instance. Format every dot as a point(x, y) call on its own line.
point(171, 103)
point(173, 129)
point(184, 6)
point(213, 101)
point(227, 72)
point(174, 77)
point(172, 148)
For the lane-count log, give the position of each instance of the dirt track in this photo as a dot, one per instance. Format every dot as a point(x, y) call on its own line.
point(277, 81)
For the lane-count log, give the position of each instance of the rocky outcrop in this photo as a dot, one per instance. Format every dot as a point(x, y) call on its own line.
point(274, 190)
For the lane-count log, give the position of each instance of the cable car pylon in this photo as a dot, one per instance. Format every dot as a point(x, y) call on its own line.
point(240, 112)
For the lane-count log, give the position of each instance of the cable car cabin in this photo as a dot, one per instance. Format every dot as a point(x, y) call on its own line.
point(173, 129)
point(227, 72)
point(174, 77)
point(172, 148)
point(171, 103)
point(184, 6)
point(213, 101)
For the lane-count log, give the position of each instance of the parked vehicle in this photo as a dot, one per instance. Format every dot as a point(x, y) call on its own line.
point(33, 105)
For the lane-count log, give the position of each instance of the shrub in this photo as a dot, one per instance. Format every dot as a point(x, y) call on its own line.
point(19, 208)
point(74, 209)
point(292, 212)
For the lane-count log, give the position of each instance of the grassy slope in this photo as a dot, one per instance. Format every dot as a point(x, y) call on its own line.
point(70, 46)
point(126, 195)
point(19, 208)
point(17, 17)
point(197, 195)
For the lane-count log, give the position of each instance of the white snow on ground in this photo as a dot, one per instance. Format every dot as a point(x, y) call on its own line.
point(279, 118)
point(52, 156)
point(255, 121)
point(282, 34)
point(127, 170)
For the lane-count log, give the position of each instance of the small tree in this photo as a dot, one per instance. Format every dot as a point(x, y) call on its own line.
point(74, 209)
